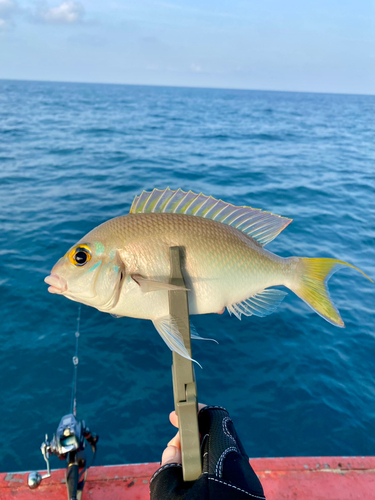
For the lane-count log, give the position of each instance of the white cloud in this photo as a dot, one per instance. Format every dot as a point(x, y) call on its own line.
point(67, 12)
point(7, 9)
point(196, 68)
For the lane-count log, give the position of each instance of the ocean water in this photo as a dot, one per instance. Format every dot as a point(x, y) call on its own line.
point(74, 155)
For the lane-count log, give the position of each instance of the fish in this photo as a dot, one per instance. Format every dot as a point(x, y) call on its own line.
point(122, 266)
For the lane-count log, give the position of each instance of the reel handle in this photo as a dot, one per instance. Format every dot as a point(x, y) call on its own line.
point(35, 478)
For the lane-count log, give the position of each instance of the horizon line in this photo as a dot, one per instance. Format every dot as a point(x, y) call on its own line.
point(183, 87)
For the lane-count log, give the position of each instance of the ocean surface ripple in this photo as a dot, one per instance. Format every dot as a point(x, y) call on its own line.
point(74, 155)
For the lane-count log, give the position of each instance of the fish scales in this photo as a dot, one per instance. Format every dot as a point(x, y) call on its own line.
point(220, 264)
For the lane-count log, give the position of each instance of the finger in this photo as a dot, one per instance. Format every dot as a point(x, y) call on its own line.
point(174, 418)
point(171, 455)
point(175, 441)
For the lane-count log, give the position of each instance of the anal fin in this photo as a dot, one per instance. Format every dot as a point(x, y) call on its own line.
point(262, 304)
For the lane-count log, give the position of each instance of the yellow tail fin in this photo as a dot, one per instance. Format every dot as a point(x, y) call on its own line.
point(311, 286)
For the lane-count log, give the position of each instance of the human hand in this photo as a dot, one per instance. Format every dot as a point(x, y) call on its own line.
point(226, 469)
point(172, 453)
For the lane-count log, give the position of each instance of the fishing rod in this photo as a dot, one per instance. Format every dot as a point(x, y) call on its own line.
point(69, 441)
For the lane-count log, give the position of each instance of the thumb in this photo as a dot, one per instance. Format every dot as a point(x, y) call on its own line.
point(171, 455)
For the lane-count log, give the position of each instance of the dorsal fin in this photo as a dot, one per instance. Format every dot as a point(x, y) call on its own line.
point(262, 226)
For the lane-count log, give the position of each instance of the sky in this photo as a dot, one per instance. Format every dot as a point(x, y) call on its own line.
point(304, 45)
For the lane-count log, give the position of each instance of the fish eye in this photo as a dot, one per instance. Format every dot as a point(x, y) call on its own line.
point(80, 255)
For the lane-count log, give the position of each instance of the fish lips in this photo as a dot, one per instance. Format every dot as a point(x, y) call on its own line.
point(57, 284)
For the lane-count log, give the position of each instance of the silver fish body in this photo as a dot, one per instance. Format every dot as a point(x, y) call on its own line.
point(122, 266)
point(220, 264)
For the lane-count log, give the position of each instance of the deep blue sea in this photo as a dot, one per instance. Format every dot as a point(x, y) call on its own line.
point(74, 155)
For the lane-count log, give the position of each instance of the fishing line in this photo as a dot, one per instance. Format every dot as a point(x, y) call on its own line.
point(69, 440)
point(73, 406)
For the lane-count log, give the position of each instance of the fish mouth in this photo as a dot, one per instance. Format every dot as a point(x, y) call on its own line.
point(58, 284)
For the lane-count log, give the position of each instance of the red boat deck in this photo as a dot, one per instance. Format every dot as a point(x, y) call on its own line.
point(301, 478)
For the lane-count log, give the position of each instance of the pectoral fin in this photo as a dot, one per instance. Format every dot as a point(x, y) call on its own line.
point(148, 285)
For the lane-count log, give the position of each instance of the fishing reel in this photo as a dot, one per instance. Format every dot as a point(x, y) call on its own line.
point(69, 437)
point(68, 443)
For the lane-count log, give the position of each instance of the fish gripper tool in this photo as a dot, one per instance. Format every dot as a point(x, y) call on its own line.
point(184, 386)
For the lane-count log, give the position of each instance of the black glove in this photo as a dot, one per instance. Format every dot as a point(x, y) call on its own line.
point(226, 473)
